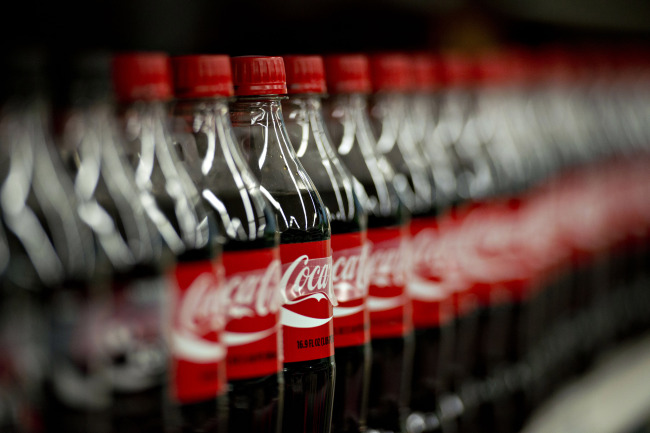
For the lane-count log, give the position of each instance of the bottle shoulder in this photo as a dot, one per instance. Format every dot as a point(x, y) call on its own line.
point(38, 205)
point(313, 146)
point(264, 142)
point(392, 123)
point(109, 203)
point(355, 144)
point(170, 197)
point(205, 144)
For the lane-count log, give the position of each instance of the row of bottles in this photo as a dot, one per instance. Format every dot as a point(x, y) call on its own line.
point(384, 243)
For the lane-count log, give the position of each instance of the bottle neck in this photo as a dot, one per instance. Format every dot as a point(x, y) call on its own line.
point(349, 124)
point(141, 119)
point(309, 136)
point(306, 113)
point(160, 176)
point(104, 186)
point(203, 137)
point(267, 102)
point(81, 121)
point(391, 119)
point(30, 163)
point(350, 101)
point(203, 133)
point(264, 141)
point(422, 115)
point(147, 141)
point(310, 101)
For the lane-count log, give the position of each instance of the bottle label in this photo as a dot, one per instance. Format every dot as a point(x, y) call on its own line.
point(450, 264)
point(307, 312)
point(432, 304)
point(79, 319)
point(253, 300)
point(350, 283)
point(198, 324)
point(136, 345)
point(388, 302)
point(489, 259)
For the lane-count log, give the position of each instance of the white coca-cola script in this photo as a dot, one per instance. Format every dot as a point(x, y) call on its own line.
point(305, 276)
point(201, 308)
point(254, 293)
point(349, 276)
point(200, 312)
point(387, 265)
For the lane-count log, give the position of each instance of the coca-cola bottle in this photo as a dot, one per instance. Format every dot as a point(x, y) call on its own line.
point(127, 325)
point(143, 87)
point(503, 269)
point(437, 120)
point(206, 144)
point(390, 310)
point(455, 132)
point(305, 247)
point(51, 265)
point(413, 107)
point(424, 115)
point(348, 220)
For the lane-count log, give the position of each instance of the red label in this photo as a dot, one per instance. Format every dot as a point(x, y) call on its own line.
point(432, 304)
point(350, 283)
point(390, 308)
point(490, 259)
point(306, 315)
point(199, 319)
point(253, 302)
point(448, 259)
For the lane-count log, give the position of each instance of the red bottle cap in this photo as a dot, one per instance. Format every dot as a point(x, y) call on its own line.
point(347, 73)
point(390, 73)
point(458, 70)
point(425, 72)
point(142, 76)
point(494, 68)
point(202, 76)
point(559, 65)
point(521, 61)
point(258, 75)
point(305, 74)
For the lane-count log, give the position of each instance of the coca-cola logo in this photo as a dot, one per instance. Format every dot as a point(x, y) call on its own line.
point(387, 264)
point(305, 276)
point(200, 309)
point(349, 276)
point(254, 293)
point(425, 250)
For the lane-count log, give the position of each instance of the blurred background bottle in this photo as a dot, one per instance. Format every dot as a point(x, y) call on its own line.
point(348, 221)
point(305, 242)
point(205, 143)
point(346, 114)
point(143, 87)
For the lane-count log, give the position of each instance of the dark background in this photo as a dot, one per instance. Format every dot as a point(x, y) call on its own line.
point(317, 26)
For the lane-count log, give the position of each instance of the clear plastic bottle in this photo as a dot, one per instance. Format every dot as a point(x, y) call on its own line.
point(347, 119)
point(456, 131)
point(51, 260)
point(348, 220)
point(502, 271)
point(433, 311)
point(305, 246)
point(130, 262)
point(143, 87)
point(207, 146)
